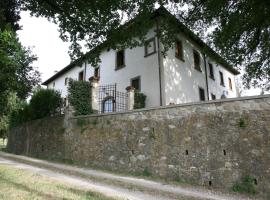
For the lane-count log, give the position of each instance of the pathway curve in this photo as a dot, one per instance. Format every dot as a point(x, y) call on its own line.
point(112, 185)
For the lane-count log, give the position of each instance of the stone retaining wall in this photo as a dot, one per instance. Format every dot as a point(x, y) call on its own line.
point(213, 143)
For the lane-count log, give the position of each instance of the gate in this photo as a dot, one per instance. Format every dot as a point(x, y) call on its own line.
point(111, 100)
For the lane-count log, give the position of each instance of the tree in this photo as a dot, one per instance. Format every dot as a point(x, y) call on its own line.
point(16, 72)
point(241, 28)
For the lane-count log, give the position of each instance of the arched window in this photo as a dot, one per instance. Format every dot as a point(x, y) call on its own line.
point(108, 105)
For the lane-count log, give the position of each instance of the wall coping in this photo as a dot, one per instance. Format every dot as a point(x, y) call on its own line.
point(176, 106)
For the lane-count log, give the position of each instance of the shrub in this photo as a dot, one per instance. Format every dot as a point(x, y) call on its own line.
point(139, 100)
point(79, 96)
point(246, 186)
point(45, 102)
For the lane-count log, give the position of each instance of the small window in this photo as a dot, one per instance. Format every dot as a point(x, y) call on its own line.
point(211, 71)
point(213, 97)
point(230, 83)
point(120, 59)
point(96, 72)
point(150, 47)
point(136, 83)
point(221, 78)
point(66, 81)
point(53, 84)
point(202, 94)
point(197, 60)
point(80, 78)
point(65, 102)
point(179, 50)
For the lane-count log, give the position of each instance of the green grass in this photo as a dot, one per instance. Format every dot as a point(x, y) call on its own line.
point(21, 184)
point(2, 143)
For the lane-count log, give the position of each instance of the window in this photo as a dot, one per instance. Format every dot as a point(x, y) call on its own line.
point(179, 50)
point(80, 78)
point(66, 81)
point(221, 78)
point(230, 83)
point(65, 102)
point(136, 83)
point(96, 72)
point(211, 71)
point(120, 59)
point(197, 60)
point(213, 97)
point(108, 104)
point(150, 47)
point(202, 94)
point(53, 84)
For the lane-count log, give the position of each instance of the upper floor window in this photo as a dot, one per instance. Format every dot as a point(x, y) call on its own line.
point(96, 72)
point(150, 47)
point(179, 50)
point(80, 77)
point(230, 83)
point(197, 60)
point(213, 97)
point(201, 94)
point(221, 78)
point(211, 71)
point(136, 83)
point(120, 59)
point(66, 81)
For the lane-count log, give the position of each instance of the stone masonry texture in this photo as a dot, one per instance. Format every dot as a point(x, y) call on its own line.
point(215, 143)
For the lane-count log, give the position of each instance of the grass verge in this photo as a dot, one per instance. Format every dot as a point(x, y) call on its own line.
point(21, 184)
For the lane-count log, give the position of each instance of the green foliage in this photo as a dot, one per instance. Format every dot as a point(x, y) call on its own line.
point(139, 100)
point(45, 102)
point(79, 96)
point(246, 186)
point(242, 123)
point(16, 72)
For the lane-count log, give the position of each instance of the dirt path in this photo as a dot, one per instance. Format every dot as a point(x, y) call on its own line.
point(112, 185)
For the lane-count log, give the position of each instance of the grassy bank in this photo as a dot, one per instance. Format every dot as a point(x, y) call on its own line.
point(21, 184)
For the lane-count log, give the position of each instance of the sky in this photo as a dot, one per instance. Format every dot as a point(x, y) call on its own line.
point(52, 52)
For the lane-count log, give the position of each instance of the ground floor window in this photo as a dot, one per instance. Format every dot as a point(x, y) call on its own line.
point(201, 94)
point(108, 105)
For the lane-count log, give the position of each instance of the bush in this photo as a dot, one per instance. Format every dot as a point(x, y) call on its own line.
point(45, 102)
point(246, 186)
point(79, 96)
point(139, 100)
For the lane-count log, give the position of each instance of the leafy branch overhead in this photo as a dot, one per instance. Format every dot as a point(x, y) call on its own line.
point(240, 33)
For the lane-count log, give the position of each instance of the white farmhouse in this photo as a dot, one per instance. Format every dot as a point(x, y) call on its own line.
point(185, 74)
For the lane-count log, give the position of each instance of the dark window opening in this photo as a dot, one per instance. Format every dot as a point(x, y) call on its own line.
point(179, 50)
point(211, 71)
point(80, 76)
point(255, 181)
point(96, 72)
point(136, 83)
point(133, 152)
point(221, 78)
point(65, 102)
point(210, 183)
point(224, 152)
point(150, 47)
point(230, 83)
point(197, 60)
point(66, 81)
point(201, 94)
point(186, 152)
point(213, 97)
point(120, 59)
point(53, 84)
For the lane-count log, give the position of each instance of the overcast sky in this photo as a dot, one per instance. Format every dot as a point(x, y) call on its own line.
point(52, 52)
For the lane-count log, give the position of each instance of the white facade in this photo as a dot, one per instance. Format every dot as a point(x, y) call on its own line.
point(179, 80)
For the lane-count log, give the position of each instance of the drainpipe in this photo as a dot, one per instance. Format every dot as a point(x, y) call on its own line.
point(206, 76)
point(159, 65)
point(84, 78)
